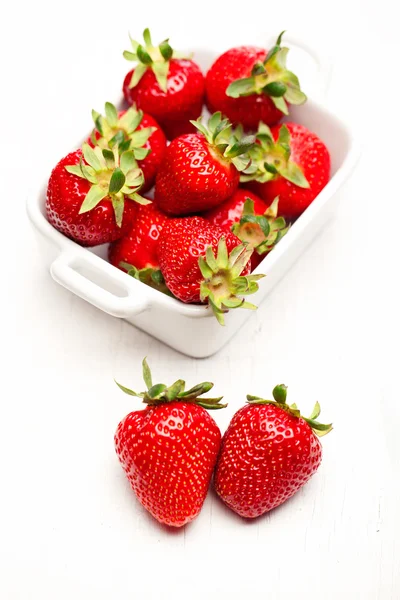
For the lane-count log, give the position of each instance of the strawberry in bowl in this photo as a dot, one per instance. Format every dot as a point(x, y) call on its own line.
point(92, 195)
point(202, 264)
point(201, 170)
point(231, 210)
point(136, 252)
point(251, 220)
point(291, 162)
point(164, 84)
point(134, 130)
point(250, 84)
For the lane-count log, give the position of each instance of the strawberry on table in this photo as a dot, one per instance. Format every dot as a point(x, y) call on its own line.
point(132, 130)
point(291, 162)
point(168, 450)
point(202, 263)
point(249, 218)
point(201, 170)
point(92, 195)
point(136, 252)
point(165, 84)
point(268, 452)
point(248, 85)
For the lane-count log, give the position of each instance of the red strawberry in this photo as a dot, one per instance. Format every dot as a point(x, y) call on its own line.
point(169, 449)
point(194, 261)
point(90, 195)
point(267, 454)
point(249, 85)
point(165, 85)
point(230, 211)
point(290, 162)
point(136, 252)
point(251, 221)
point(131, 130)
point(201, 170)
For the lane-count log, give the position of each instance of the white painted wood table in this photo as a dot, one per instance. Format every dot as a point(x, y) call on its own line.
point(69, 524)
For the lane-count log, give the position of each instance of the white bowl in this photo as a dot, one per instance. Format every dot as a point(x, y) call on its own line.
point(193, 329)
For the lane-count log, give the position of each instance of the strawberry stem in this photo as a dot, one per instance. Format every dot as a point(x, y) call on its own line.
point(151, 276)
point(270, 158)
point(280, 393)
point(113, 176)
point(121, 131)
point(271, 78)
point(260, 232)
point(223, 282)
point(159, 393)
point(151, 57)
point(232, 146)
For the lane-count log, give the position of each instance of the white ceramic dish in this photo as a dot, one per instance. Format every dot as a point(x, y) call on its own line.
point(192, 329)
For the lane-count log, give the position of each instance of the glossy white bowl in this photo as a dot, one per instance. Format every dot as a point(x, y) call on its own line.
point(193, 329)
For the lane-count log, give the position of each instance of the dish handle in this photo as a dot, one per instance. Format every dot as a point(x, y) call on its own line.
point(323, 66)
point(69, 269)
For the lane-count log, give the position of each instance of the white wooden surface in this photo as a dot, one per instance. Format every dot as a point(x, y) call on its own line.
point(69, 525)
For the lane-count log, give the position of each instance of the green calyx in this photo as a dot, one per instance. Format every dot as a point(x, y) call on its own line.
point(151, 57)
point(279, 393)
point(159, 393)
point(272, 78)
point(112, 176)
point(260, 232)
point(150, 276)
point(223, 285)
point(121, 132)
point(232, 146)
point(270, 159)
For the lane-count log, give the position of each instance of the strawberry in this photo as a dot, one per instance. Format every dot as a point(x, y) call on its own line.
point(201, 170)
point(164, 84)
point(246, 215)
point(249, 85)
point(290, 162)
point(229, 212)
point(136, 252)
point(90, 194)
point(194, 261)
point(131, 130)
point(267, 454)
point(168, 450)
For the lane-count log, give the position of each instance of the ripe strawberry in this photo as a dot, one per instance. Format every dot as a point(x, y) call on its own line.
point(194, 261)
point(267, 454)
point(131, 130)
point(169, 449)
point(90, 194)
point(136, 252)
point(251, 221)
point(229, 212)
point(201, 170)
point(165, 84)
point(290, 162)
point(249, 85)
